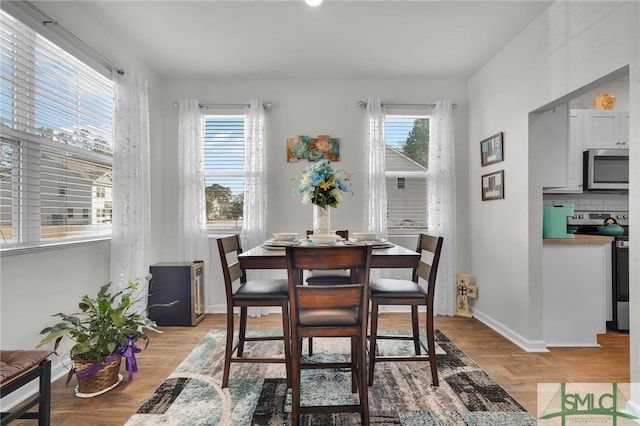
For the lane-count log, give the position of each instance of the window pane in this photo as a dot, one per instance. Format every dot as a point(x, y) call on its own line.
point(224, 170)
point(56, 147)
point(407, 138)
point(69, 186)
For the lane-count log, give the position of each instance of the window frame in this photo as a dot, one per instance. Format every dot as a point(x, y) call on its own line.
point(237, 173)
point(392, 176)
point(34, 147)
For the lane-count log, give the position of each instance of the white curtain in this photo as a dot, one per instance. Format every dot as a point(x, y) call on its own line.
point(375, 188)
point(192, 223)
point(131, 184)
point(254, 218)
point(441, 203)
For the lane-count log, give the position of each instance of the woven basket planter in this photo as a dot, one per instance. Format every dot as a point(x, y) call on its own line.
point(103, 379)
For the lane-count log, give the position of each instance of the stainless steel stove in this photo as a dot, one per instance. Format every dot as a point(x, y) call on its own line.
point(588, 222)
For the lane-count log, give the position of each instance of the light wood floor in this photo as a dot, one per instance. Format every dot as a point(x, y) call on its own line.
point(517, 371)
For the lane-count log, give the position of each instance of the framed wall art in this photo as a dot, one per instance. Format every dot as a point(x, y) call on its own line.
point(493, 186)
point(313, 149)
point(492, 150)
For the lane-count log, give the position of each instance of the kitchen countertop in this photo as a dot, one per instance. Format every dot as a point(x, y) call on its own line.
point(580, 239)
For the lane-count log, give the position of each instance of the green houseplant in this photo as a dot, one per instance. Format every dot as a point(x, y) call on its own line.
point(105, 330)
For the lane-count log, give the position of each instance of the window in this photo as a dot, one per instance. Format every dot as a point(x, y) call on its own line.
point(407, 138)
point(55, 148)
point(224, 169)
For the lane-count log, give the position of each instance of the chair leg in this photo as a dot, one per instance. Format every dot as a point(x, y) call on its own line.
point(296, 354)
point(355, 361)
point(242, 330)
point(416, 329)
point(44, 406)
point(229, 347)
point(286, 340)
point(363, 390)
point(431, 346)
point(372, 341)
point(310, 346)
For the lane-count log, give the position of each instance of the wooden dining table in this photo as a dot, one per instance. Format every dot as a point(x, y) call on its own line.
point(392, 257)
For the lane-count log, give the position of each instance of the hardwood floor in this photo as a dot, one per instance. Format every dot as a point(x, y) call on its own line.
point(517, 371)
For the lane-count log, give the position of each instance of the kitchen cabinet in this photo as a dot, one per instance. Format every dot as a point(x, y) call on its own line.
point(576, 291)
point(563, 135)
point(606, 129)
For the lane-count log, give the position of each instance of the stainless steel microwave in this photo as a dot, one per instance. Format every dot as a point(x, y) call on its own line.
point(606, 169)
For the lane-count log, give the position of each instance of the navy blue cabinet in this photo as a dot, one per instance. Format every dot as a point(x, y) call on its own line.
point(181, 281)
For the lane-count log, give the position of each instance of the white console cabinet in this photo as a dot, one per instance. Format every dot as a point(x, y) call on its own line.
point(576, 293)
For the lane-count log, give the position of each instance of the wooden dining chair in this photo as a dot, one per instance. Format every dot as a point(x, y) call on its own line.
point(250, 293)
point(329, 311)
point(383, 291)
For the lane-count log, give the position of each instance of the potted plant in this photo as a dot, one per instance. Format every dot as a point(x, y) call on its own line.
point(105, 330)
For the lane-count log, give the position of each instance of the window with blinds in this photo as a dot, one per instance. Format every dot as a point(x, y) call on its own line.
point(56, 143)
point(407, 139)
point(224, 170)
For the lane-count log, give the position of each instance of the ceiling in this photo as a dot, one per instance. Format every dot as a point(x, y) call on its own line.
point(287, 39)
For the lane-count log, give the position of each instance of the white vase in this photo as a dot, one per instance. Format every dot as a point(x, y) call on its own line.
point(321, 219)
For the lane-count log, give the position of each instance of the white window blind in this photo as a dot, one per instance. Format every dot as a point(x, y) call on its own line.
point(407, 139)
point(224, 169)
point(56, 146)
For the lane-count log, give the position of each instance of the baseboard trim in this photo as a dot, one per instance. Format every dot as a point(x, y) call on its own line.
point(524, 343)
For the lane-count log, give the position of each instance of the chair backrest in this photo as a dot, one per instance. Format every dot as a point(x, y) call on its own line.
point(229, 249)
point(344, 233)
point(425, 270)
point(355, 294)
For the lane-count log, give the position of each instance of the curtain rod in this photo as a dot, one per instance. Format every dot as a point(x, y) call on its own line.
point(363, 104)
point(50, 21)
point(265, 105)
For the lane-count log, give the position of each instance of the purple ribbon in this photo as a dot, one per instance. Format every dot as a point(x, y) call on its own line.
point(127, 351)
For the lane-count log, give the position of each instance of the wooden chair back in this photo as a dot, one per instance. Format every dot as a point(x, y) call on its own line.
point(339, 296)
point(428, 270)
point(229, 249)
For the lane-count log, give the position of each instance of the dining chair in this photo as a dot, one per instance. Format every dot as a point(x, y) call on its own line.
point(250, 293)
point(329, 311)
point(384, 291)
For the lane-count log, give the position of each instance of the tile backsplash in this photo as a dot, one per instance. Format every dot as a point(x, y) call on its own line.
point(589, 201)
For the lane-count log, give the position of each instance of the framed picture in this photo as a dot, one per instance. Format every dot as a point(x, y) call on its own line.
point(492, 150)
point(493, 186)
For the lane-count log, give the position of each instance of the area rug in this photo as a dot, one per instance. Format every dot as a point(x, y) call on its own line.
point(257, 393)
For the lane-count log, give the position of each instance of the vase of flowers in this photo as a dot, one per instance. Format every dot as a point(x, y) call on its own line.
point(322, 186)
point(321, 219)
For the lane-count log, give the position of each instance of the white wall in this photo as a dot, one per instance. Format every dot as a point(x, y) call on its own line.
point(304, 107)
point(567, 47)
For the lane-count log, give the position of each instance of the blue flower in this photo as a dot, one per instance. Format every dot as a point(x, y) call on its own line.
point(320, 184)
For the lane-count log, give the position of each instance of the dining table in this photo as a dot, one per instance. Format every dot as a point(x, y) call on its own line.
point(397, 256)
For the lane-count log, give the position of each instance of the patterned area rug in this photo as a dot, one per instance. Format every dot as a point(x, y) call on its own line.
point(257, 394)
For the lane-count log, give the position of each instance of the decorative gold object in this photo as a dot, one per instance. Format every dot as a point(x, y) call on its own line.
point(604, 100)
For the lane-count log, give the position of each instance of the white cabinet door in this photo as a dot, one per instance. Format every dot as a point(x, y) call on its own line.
point(555, 133)
point(607, 129)
point(624, 130)
point(576, 147)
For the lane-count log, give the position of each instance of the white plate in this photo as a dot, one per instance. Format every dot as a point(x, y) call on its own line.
point(280, 243)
